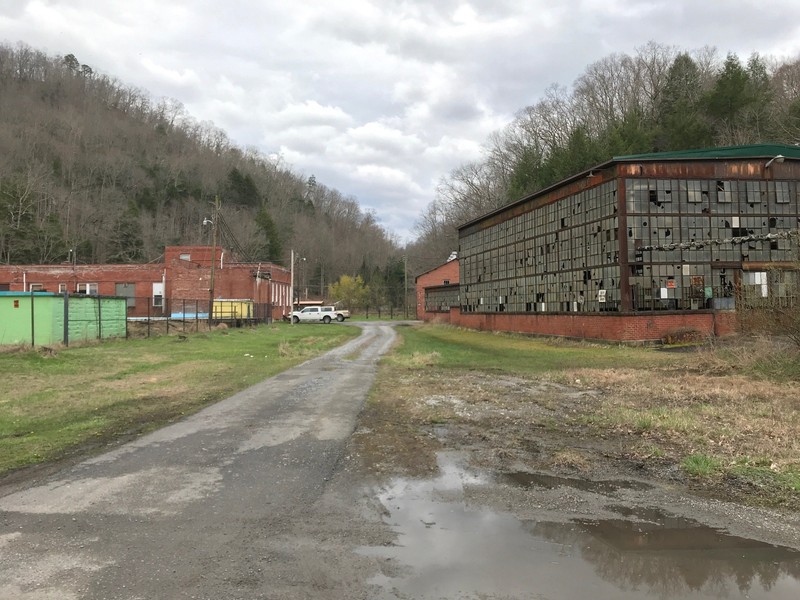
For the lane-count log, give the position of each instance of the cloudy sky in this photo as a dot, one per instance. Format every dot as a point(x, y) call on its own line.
point(377, 98)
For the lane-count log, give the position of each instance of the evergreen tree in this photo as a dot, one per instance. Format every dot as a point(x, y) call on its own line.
point(682, 124)
point(242, 189)
point(757, 117)
point(632, 135)
point(525, 175)
point(737, 104)
point(394, 278)
point(270, 248)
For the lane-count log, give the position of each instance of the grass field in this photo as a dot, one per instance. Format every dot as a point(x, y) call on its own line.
point(465, 349)
point(55, 402)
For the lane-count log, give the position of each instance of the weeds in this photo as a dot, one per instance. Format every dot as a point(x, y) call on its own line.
point(700, 465)
point(762, 357)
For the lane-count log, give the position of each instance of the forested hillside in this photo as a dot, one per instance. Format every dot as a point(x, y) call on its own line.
point(94, 170)
point(657, 100)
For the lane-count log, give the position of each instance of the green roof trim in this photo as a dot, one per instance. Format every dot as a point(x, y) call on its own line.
point(751, 151)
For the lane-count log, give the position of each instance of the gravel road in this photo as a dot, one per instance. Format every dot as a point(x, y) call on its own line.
point(229, 503)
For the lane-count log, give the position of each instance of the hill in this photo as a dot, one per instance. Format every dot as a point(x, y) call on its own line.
point(94, 170)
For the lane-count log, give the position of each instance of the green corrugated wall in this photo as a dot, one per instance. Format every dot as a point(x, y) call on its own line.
point(90, 318)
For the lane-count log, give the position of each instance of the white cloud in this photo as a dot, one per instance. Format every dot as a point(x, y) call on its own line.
point(172, 77)
point(311, 114)
point(377, 98)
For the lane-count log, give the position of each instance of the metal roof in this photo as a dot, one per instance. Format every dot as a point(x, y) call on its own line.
point(751, 151)
point(760, 151)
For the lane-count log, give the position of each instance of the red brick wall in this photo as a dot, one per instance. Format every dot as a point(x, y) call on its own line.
point(20, 277)
point(200, 255)
point(446, 272)
point(651, 327)
point(190, 280)
point(184, 279)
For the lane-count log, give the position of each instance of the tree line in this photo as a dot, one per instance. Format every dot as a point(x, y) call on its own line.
point(96, 171)
point(658, 99)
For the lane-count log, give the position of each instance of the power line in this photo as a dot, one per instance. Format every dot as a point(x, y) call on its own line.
point(231, 241)
point(695, 245)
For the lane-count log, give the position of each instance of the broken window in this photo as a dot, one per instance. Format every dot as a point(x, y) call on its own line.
point(725, 191)
point(755, 284)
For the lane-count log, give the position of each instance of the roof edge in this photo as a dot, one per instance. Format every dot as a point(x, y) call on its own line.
point(759, 151)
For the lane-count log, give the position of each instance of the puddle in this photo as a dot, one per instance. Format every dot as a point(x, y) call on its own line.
point(550, 482)
point(448, 549)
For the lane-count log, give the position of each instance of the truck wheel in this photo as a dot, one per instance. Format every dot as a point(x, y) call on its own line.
point(339, 318)
point(326, 319)
point(295, 320)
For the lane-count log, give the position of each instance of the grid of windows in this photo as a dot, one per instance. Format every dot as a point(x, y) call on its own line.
point(687, 241)
point(700, 229)
point(562, 257)
point(440, 299)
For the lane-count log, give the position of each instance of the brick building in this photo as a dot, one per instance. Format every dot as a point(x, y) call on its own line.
point(164, 288)
point(437, 291)
point(638, 247)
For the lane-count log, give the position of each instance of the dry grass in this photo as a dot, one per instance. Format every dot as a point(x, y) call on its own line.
point(732, 415)
point(418, 360)
point(570, 458)
point(727, 415)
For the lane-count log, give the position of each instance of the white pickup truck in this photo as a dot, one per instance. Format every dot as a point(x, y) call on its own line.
point(319, 314)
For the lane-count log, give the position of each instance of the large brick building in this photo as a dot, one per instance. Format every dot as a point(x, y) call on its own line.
point(163, 288)
point(638, 247)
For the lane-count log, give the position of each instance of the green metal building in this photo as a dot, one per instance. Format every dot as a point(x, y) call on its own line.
point(41, 318)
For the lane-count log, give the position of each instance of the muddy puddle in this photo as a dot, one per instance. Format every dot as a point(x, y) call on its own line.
point(447, 547)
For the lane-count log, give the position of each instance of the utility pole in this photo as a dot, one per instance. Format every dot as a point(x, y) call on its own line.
point(303, 279)
point(291, 287)
point(214, 225)
point(405, 285)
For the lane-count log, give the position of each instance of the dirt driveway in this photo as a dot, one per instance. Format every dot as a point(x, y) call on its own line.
point(495, 490)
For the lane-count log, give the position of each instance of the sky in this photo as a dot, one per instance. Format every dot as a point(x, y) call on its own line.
point(379, 99)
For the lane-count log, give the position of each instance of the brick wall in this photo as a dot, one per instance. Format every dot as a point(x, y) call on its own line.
point(651, 327)
point(20, 277)
point(448, 272)
point(185, 272)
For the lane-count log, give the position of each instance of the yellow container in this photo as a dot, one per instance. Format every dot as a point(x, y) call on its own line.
point(233, 310)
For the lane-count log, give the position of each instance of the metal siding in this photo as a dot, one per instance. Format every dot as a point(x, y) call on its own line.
point(15, 323)
point(82, 319)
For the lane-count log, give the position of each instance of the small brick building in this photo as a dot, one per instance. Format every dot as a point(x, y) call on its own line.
point(437, 292)
point(178, 285)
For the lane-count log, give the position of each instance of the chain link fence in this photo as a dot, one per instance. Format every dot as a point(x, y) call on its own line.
point(178, 316)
